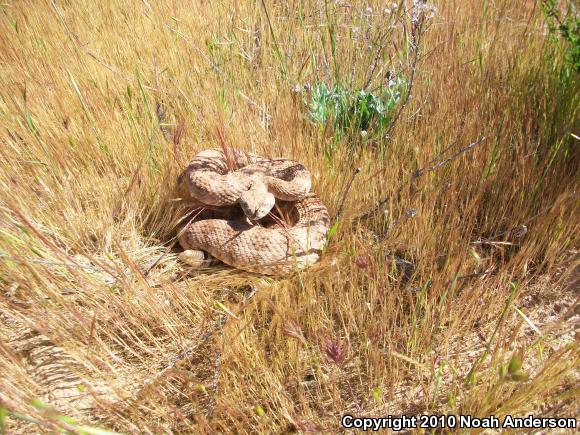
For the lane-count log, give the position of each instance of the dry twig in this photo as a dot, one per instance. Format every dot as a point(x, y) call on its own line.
point(418, 173)
point(345, 194)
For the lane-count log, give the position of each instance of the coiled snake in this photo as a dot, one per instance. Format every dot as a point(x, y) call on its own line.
point(279, 226)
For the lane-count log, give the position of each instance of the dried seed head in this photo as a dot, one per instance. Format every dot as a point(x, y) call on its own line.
point(335, 351)
point(362, 262)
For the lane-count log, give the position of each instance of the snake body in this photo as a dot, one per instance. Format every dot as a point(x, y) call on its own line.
point(283, 225)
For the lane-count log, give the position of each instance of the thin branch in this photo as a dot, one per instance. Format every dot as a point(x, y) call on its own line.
point(345, 194)
point(188, 353)
point(524, 223)
point(417, 30)
point(419, 173)
point(276, 45)
point(161, 117)
point(215, 384)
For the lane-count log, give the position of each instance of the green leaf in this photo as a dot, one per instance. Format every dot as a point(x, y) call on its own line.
point(225, 309)
point(515, 364)
point(201, 388)
point(503, 371)
point(30, 123)
point(475, 255)
point(3, 414)
point(470, 377)
point(520, 376)
point(39, 404)
point(349, 108)
point(66, 419)
point(332, 230)
point(94, 431)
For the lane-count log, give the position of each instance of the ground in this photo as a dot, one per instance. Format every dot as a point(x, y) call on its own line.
point(449, 283)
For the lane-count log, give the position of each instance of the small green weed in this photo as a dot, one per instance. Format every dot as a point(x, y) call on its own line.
point(567, 25)
point(354, 110)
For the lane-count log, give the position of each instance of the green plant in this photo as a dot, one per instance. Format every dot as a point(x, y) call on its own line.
point(55, 420)
point(350, 109)
point(567, 25)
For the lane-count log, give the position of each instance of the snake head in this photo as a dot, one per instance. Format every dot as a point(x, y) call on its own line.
point(256, 202)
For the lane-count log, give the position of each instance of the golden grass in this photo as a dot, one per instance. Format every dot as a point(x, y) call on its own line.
point(405, 313)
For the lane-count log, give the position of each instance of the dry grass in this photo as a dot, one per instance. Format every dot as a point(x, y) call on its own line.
point(406, 313)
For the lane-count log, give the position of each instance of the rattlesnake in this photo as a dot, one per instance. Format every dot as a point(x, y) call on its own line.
point(279, 226)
